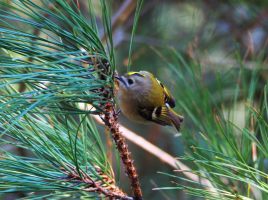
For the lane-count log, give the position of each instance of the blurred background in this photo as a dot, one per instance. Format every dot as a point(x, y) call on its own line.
point(217, 36)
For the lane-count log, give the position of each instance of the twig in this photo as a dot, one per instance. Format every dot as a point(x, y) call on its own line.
point(253, 144)
point(123, 13)
point(162, 155)
point(250, 47)
point(109, 144)
point(121, 16)
point(105, 187)
point(110, 120)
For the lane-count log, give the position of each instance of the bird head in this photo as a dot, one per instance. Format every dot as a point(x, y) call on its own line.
point(134, 81)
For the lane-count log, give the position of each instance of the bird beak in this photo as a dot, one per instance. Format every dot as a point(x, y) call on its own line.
point(121, 80)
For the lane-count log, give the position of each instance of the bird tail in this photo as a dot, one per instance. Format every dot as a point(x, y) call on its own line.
point(166, 116)
point(176, 119)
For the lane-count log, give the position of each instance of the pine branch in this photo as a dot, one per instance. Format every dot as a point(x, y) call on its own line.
point(110, 120)
point(59, 65)
point(106, 188)
point(162, 155)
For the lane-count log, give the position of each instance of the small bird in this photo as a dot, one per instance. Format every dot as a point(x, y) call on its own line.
point(143, 98)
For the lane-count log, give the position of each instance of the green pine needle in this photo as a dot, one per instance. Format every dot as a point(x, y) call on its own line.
point(221, 150)
point(48, 74)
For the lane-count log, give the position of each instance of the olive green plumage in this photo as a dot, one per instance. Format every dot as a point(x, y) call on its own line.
point(143, 98)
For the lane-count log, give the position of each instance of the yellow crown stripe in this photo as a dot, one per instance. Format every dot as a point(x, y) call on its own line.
point(134, 73)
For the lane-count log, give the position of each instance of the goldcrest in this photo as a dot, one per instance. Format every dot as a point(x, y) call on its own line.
point(143, 98)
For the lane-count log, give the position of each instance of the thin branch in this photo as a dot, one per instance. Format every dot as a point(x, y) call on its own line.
point(253, 144)
point(123, 13)
point(105, 187)
point(111, 122)
point(121, 16)
point(109, 144)
point(161, 155)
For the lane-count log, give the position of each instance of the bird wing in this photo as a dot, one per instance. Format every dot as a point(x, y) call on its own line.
point(169, 99)
point(162, 115)
point(157, 114)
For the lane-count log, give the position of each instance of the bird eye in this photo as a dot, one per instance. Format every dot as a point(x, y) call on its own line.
point(130, 81)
